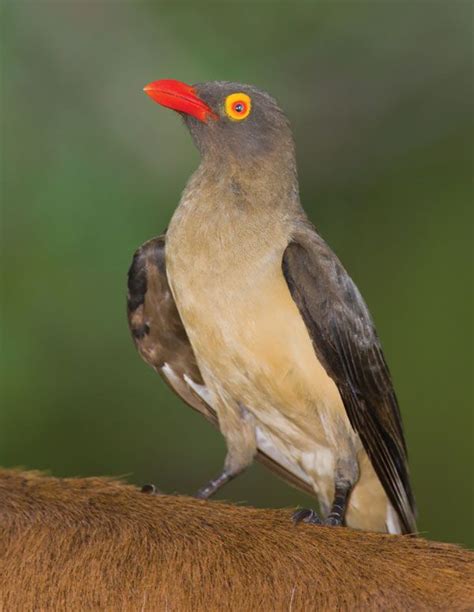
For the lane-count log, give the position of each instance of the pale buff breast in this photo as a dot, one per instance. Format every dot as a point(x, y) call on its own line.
point(246, 330)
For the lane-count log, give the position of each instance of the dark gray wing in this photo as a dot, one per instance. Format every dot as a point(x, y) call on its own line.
point(346, 343)
point(161, 339)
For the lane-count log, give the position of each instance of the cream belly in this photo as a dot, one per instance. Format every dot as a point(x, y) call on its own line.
point(253, 348)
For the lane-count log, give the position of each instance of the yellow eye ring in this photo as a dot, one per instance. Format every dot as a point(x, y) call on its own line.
point(238, 106)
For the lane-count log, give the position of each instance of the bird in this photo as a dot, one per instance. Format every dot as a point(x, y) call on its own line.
point(250, 317)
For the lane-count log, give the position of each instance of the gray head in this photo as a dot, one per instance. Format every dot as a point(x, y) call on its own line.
point(229, 120)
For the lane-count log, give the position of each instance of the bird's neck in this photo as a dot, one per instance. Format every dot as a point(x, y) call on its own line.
point(251, 212)
point(266, 185)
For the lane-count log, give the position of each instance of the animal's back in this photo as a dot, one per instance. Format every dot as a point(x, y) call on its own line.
point(96, 544)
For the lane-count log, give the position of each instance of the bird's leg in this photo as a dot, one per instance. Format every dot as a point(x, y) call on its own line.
point(339, 505)
point(346, 476)
point(215, 484)
point(338, 508)
point(238, 427)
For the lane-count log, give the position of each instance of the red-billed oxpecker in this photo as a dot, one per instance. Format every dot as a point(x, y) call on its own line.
point(250, 317)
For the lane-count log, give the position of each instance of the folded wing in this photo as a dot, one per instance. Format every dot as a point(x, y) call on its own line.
point(346, 343)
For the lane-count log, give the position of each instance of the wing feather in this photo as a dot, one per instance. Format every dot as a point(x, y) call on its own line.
point(347, 344)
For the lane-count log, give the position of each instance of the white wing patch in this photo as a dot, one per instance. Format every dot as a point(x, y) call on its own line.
point(201, 390)
point(170, 375)
point(175, 381)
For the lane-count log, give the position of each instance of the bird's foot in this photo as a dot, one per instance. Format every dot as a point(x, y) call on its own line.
point(333, 520)
point(206, 492)
point(150, 489)
point(306, 515)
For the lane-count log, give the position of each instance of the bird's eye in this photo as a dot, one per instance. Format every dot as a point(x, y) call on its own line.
point(237, 106)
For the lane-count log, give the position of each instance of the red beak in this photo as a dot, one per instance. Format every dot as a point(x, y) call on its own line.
point(179, 97)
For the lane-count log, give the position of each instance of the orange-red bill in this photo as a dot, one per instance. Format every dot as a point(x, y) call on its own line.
point(179, 97)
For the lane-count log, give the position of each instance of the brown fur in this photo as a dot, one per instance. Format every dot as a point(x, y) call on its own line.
point(98, 544)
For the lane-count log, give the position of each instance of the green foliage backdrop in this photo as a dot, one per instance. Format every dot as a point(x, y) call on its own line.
point(379, 96)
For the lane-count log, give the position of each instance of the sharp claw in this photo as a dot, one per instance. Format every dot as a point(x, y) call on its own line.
point(149, 489)
point(333, 521)
point(306, 515)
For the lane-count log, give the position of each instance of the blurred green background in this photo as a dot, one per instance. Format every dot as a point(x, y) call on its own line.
point(380, 99)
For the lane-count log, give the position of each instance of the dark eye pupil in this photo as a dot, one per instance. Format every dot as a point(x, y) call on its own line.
point(239, 107)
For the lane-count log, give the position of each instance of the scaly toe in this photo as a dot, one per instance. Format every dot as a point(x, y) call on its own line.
point(306, 515)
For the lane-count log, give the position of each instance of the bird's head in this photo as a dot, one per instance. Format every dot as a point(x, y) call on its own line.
point(228, 119)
